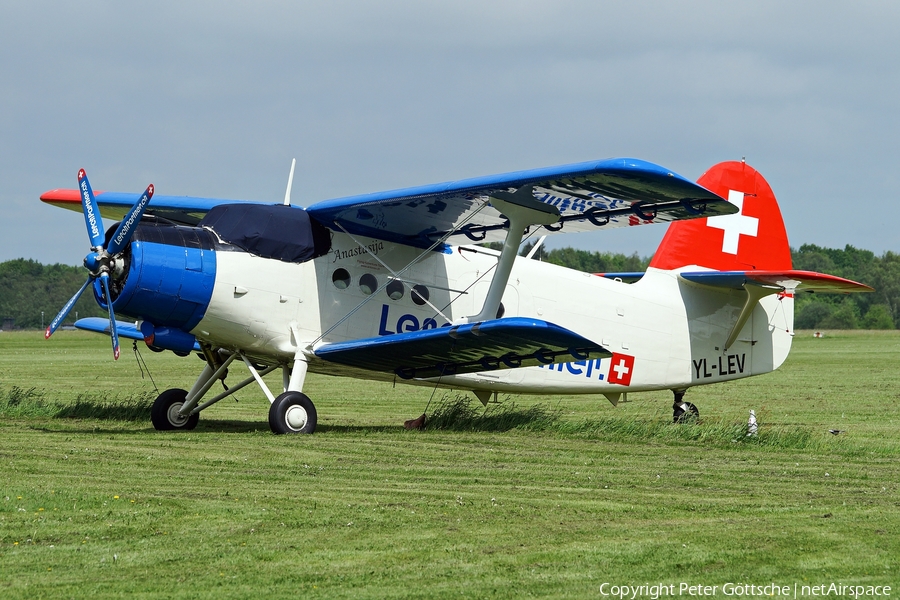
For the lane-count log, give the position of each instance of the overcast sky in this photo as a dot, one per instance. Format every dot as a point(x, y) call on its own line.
point(215, 98)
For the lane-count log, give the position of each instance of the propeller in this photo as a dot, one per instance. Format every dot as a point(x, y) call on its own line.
point(100, 262)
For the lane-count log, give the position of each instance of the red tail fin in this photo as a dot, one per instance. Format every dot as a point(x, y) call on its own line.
point(753, 238)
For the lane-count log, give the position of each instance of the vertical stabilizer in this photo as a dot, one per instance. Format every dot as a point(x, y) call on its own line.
point(752, 239)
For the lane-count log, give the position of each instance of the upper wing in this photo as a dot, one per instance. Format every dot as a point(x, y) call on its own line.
point(184, 210)
point(791, 281)
point(608, 193)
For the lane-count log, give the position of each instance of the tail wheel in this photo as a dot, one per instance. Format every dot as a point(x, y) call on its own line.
point(164, 414)
point(292, 412)
point(685, 412)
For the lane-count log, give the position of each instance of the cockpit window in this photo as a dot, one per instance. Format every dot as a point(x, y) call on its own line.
point(285, 233)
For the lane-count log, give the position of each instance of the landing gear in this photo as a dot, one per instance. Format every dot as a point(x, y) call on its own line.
point(164, 414)
point(292, 412)
point(683, 412)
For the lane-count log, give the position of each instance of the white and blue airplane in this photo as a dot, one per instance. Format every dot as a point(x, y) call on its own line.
point(393, 286)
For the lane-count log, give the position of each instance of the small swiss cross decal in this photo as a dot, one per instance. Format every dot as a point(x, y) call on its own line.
point(620, 369)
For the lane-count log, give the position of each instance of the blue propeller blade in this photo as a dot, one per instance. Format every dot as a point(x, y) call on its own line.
point(104, 277)
point(91, 211)
point(126, 228)
point(57, 321)
point(99, 260)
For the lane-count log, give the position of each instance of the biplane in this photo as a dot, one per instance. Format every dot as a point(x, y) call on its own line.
point(399, 286)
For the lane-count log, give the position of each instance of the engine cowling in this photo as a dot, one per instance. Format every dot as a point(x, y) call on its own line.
point(167, 276)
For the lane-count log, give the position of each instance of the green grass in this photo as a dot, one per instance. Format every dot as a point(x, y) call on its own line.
point(545, 497)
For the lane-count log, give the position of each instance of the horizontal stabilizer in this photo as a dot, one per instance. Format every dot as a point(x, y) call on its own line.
point(485, 346)
point(790, 281)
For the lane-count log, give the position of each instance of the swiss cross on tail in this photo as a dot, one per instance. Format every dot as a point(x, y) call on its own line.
point(736, 225)
point(753, 238)
point(621, 367)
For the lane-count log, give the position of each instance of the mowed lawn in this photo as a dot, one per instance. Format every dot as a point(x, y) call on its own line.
point(94, 502)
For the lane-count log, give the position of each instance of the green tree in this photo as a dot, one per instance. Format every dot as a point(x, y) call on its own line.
point(845, 317)
point(878, 317)
point(811, 314)
point(28, 288)
point(881, 273)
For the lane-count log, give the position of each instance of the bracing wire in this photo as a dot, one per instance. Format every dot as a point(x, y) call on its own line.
point(142, 364)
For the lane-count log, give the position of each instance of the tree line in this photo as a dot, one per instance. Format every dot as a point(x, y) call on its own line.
point(878, 310)
point(31, 293)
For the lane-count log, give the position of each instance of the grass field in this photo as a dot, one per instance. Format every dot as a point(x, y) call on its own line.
point(553, 497)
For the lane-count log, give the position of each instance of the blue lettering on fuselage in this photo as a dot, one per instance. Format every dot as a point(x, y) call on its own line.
point(407, 322)
point(585, 368)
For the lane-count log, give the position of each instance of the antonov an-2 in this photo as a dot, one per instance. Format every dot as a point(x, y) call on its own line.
point(394, 286)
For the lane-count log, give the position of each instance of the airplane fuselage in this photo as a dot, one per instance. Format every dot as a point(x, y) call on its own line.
point(664, 332)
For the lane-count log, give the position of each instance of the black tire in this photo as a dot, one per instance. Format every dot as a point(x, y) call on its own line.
point(685, 412)
point(292, 412)
point(164, 414)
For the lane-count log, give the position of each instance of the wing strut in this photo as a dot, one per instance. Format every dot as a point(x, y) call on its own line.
point(523, 211)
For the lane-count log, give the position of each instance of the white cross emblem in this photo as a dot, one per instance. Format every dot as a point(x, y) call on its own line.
point(736, 225)
point(620, 369)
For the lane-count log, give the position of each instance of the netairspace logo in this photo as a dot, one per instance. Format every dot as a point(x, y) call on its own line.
point(742, 590)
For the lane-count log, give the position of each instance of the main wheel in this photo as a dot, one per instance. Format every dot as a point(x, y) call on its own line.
point(164, 414)
point(292, 412)
point(685, 412)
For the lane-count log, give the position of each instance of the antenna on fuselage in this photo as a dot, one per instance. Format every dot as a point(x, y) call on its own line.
point(287, 192)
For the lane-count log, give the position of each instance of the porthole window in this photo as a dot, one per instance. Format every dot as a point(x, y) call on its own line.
point(368, 284)
point(341, 279)
point(394, 290)
point(419, 294)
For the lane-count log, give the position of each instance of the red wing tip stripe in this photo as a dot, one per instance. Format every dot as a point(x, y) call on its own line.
point(54, 196)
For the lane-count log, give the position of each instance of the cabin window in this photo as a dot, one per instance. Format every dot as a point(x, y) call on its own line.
point(341, 279)
point(419, 294)
point(395, 290)
point(368, 284)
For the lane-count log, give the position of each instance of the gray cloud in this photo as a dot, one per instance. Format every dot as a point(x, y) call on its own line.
point(214, 99)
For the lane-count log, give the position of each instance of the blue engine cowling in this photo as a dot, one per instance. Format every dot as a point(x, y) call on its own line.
point(167, 278)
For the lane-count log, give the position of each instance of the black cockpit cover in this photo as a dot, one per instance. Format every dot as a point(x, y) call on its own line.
point(285, 233)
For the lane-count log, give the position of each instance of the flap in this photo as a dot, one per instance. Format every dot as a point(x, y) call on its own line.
point(486, 346)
